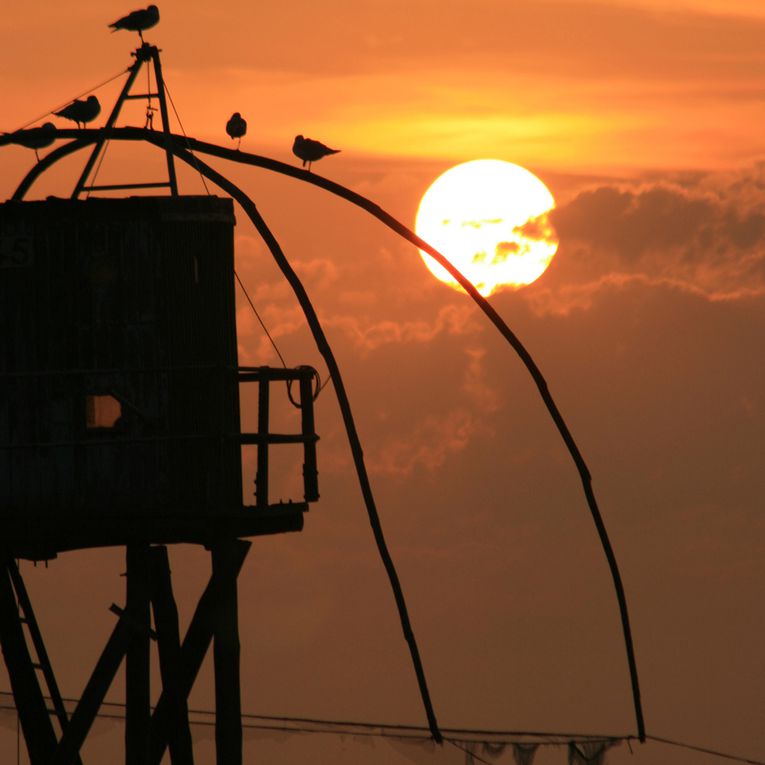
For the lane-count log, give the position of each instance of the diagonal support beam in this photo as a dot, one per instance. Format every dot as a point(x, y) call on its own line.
point(99, 144)
point(137, 658)
point(196, 644)
point(177, 730)
point(93, 695)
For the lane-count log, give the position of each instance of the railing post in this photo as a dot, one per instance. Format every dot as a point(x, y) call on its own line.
point(308, 429)
point(261, 477)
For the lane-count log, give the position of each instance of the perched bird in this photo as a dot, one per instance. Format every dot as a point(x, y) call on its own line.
point(37, 138)
point(309, 150)
point(236, 127)
point(137, 21)
point(81, 111)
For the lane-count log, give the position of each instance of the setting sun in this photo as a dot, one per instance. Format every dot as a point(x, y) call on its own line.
point(489, 218)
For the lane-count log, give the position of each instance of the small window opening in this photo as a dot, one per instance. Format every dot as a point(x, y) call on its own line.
point(102, 411)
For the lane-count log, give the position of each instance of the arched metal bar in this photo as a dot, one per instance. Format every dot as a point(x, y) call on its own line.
point(46, 162)
point(181, 143)
point(345, 407)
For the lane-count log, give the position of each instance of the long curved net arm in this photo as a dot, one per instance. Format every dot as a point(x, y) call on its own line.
point(345, 407)
point(179, 148)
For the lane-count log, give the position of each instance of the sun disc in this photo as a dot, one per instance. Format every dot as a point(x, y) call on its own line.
point(490, 219)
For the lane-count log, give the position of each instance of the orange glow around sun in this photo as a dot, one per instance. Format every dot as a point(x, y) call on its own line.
point(490, 219)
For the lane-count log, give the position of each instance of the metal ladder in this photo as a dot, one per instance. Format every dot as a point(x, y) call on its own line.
point(15, 613)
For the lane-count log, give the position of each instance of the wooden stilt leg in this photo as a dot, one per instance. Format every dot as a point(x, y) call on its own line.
point(137, 668)
point(195, 645)
point(228, 708)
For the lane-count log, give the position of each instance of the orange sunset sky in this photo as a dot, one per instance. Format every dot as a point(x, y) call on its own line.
point(645, 119)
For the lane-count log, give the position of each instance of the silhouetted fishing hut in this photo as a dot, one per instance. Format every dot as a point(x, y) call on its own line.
point(120, 425)
point(119, 414)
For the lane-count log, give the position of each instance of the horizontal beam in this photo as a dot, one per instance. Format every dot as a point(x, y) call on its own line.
point(256, 374)
point(41, 537)
point(277, 438)
point(119, 186)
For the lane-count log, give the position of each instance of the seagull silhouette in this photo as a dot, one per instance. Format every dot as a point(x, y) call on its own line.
point(137, 21)
point(310, 151)
point(37, 138)
point(236, 127)
point(81, 111)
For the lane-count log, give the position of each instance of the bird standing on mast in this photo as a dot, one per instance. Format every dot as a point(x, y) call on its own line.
point(236, 127)
point(81, 111)
point(310, 151)
point(138, 21)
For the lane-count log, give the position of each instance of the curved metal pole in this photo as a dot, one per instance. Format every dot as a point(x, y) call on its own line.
point(355, 443)
point(46, 162)
point(391, 222)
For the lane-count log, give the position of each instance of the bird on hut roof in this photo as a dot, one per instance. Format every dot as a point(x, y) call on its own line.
point(310, 151)
point(81, 111)
point(236, 127)
point(137, 21)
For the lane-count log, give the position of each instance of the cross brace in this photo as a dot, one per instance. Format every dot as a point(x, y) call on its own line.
point(147, 733)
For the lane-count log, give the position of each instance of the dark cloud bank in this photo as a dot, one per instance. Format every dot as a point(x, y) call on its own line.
point(704, 234)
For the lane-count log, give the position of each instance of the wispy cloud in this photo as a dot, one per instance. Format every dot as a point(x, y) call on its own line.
point(369, 336)
point(428, 444)
point(432, 439)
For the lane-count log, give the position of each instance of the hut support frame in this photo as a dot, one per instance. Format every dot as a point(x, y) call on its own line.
point(148, 732)
point(144, 55)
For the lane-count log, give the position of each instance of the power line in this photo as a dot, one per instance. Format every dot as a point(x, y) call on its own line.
point(704, 750)
point(84, 93)
point(325, 726)
point(457, 737)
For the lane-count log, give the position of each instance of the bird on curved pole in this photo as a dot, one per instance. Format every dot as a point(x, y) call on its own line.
point(310, 151)
point(38, 138)
point(236, 127)
point(81, 111)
